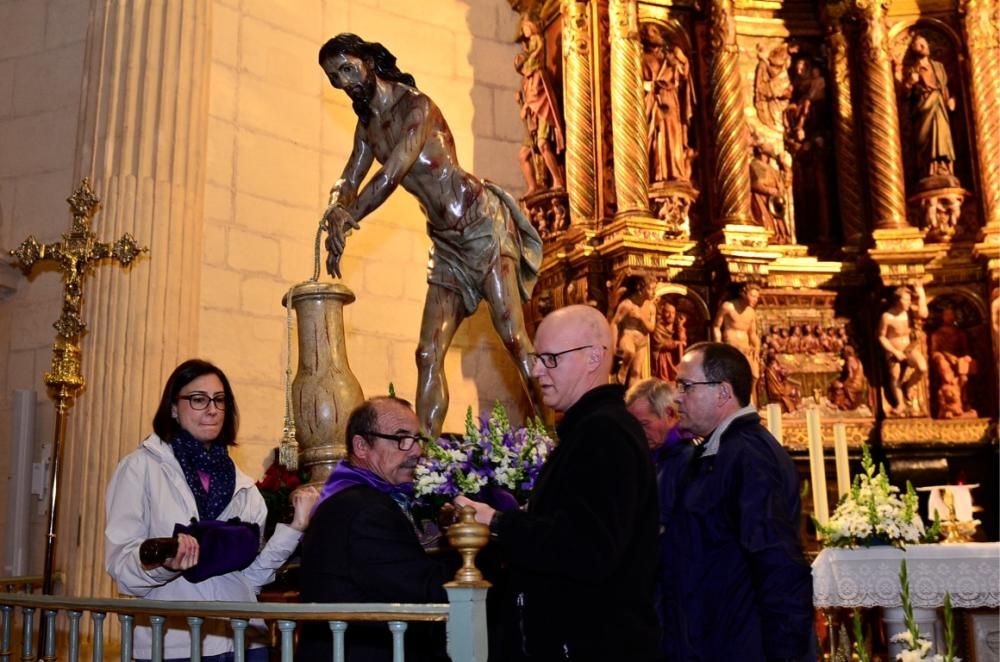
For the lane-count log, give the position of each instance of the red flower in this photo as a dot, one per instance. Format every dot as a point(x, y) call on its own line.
point(292, 481)
point(269, 482)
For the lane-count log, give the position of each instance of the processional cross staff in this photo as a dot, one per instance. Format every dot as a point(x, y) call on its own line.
point(75, 256)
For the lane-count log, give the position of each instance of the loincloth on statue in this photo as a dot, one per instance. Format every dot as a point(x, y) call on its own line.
point(492, 228)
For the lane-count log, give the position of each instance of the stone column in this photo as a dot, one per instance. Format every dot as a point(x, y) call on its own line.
point(981, 27)
point(142, 141)
point(849, 180)
point(731, 166)
point(880, 118)
point(631, 167)
point(581, 150)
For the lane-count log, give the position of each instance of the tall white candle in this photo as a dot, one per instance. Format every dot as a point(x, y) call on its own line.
point(840, 456)
point(774, 420)
point(817, 466)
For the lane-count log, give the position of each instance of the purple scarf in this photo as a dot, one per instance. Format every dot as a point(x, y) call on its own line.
point(346, 475)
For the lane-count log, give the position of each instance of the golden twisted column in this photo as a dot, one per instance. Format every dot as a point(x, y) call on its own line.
point(849, 183)
point(732, 167)
point(141, 138)
point(880, 119)
point(981, 24)
point(631, 166)
point(581, 174)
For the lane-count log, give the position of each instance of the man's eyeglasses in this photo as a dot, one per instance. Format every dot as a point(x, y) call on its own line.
point(683, 385)
point(199, 401)
point(403, 441)
point(551, 359)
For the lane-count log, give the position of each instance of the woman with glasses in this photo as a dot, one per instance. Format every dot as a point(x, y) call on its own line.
point(182, 471)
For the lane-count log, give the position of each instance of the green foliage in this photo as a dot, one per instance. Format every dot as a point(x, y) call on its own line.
point(860, 645)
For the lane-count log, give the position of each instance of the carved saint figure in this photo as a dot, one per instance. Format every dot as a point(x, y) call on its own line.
point(768, 194)
point(666, 75)
point(951, 364)
point(772, 88)
point(736, 324)
point(539, 110)
point(634, 319)
point(925, 82)
point(779, 386)
point(669, 341)
point(905, 358)
point(483, 247)
point(847, 392)
point(807, 140)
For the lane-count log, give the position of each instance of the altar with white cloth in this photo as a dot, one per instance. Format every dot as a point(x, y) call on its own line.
point(869, 577)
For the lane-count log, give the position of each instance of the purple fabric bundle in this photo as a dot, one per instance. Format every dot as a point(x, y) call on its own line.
point(223, 547)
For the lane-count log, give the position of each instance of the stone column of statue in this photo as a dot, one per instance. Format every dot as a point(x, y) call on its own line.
point(483, 247)
point(666, 75)
point(669, 341)
point(850, 176)
point(925, 82)
point(981, 32)
point(879, 119)
point(904, 356)
point(951, 366)
point(631, 171)
point(633, 321)
point(539, 110)
point(732, 172)
point(736, 324)
point(581, 134)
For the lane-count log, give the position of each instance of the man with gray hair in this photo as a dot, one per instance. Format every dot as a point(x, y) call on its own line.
point(736, 586)
point(651, 401)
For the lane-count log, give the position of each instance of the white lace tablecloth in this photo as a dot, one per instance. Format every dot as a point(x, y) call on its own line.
point(870, 577)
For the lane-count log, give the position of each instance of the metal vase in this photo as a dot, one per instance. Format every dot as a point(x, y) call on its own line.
point(324, 390)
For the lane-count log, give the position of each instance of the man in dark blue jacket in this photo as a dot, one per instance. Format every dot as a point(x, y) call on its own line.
point(736, 584)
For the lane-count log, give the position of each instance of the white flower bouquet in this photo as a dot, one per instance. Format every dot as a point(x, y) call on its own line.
point(874, 512)
point(493, 461)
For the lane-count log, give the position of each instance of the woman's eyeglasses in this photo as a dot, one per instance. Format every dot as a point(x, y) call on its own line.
point(199, 401)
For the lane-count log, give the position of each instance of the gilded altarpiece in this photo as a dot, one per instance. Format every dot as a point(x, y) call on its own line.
point(823, 169)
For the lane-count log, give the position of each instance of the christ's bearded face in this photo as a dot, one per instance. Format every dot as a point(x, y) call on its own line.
point(352, 75)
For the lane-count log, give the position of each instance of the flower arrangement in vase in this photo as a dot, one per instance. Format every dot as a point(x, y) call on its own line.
point(493, 460)
point(873, 512)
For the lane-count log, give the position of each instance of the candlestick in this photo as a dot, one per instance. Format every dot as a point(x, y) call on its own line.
point(817, 466)
point(840, 456)
point(774, 420)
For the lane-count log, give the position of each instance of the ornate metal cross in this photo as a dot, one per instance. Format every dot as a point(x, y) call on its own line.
point(75, 257)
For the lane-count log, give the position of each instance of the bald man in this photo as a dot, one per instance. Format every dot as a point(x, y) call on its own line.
point(583, 555)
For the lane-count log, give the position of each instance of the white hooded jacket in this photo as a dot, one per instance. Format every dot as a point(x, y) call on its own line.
point(147, 496)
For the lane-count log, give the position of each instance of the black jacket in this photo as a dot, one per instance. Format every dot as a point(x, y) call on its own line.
point(360, 547)
point(583, 557)
point(736, 586)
